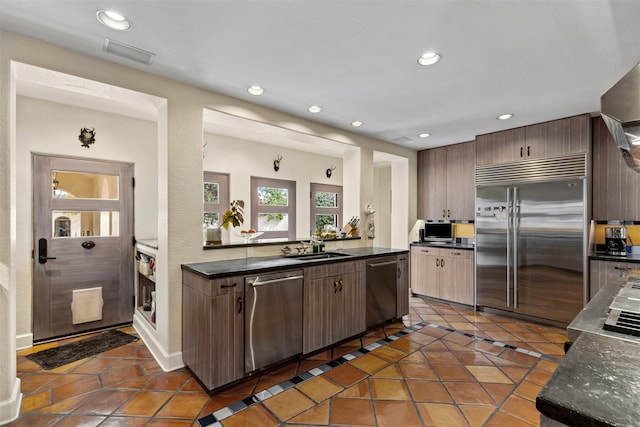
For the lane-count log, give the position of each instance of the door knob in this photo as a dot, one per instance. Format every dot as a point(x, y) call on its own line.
point(42, 251)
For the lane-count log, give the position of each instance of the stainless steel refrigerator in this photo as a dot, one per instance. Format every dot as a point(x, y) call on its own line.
point(530, 248)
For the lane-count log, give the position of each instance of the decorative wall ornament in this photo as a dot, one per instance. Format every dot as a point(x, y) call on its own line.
point(87, 137)
point(276, 163)
point(371, 225)
point(330, 170)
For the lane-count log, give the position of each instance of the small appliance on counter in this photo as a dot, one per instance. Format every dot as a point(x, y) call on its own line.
point(616, 241)
point(437, 232)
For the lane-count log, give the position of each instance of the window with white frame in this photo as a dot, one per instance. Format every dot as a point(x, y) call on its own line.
point(215, 196)
point(326, 206)
point(273, 207)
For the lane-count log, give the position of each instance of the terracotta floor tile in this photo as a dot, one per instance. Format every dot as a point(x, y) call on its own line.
point(441, 358)
point(359, 390)
point(433, 318)
point(458, 339)
point(515, 326)
point(124, 422)
point(488, 374)
point(389, 354)
point(36, 420)
point(133, 383)
point(392, 371)
point(425, 310)
point(440, 414)
point(528, 390)
point(522, 409)
point(67, 379)
point(254, 416)
point(469, 393)
point(548, 348)
point(418, 371)
point(352, 412)
point(94, 366)
point(183, 405)
point(539, 377)
point(105, 402)
point(476, 415)
point(434, 332)
point(519, 358)
point(558, 338)
point(428, 391)
point(499, 392)
point(75, 388)
point(453, 317)
point(323, 355)
point(369, 363)
point(67, 406)
point(266, 381)
point(461, 325)
point(452, 373)
point(33, 382)
point(435, 346)
point(246, 386)
point(406, 345)
point(219, 401)
point(520, 344)
point(307, 365)
point(501, 336)
point(80, 420)
point(167, 422)
point(373, 336)
point(529, 336)
point(288, 369)
point(388, 389)
point(452, 346)
point(415, 357)
point(515, 373)
point(393, 414)
point(472, 358)
point(113, 377)
point(192, 385)
point(421, 338)
point(288, 404)
point(547, 366)
point(319, 388)
point(346, 374)
point(485, 347)
point(491, 327)
point(500, 419)
point(144, 403)
point(168, 381)
point(318, 415)
point(36, 401)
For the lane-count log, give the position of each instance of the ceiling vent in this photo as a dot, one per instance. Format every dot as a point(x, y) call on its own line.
point(129, 52)
point(402, 139)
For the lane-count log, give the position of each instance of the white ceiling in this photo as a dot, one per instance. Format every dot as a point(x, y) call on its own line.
point(537, 59)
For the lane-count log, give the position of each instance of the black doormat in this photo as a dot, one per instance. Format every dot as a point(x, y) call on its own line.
point(58, 356)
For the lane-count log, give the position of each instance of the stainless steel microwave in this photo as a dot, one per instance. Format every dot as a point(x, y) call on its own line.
point(438, 232)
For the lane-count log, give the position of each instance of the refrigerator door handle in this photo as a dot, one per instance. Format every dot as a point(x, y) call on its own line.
point(516, 225)
point(508, 246)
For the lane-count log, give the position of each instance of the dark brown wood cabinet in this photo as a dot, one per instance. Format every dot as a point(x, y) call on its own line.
point(446, 182)
point(402, 294)
point(616, 188)
point(560, 137)
point(334, 303)
point(213, 328)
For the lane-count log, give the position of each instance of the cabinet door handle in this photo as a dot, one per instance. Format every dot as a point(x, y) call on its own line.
point(622, 268)
point(442, 262)
point(228, 286)
point(437, 262)
point(528, 151)
point(448, 213)
point(335, 287)
point(399, 273)
point(521, 151)
point(239, 305)
point(340, 283)
point(443, 213)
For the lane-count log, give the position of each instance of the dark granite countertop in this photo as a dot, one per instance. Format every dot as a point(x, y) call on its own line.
point(597, 384)
point(604, 257)
point(243, 266)
point(453, 245)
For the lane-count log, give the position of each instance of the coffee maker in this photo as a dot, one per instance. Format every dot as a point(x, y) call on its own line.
point(616, 240)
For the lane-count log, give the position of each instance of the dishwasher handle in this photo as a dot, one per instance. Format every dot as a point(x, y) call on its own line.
point(272, 281)
point(381, 264)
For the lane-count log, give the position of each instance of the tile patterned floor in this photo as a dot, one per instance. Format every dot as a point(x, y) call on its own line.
point(455, 367)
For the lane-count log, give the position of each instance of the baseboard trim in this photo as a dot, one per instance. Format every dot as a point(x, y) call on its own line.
point(167, 361)
point(24, 341)
point(10, 409)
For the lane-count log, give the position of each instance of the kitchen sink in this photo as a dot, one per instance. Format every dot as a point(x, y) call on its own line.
point(316, 255)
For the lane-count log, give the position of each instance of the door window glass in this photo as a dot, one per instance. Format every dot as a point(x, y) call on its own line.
point(215, 197)
point(80, 185)
point(273, 207)
point(85, 223)
point(326, 207)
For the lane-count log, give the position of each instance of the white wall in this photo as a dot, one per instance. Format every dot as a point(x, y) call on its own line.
point(242, 159)
point(382, 205)
point(52, 128)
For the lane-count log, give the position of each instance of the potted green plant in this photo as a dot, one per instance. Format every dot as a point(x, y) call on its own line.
point(235, 214)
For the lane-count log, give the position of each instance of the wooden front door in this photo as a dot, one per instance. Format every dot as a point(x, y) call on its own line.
point(83, 245)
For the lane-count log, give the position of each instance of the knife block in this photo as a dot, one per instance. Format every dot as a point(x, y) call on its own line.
point(350, 230)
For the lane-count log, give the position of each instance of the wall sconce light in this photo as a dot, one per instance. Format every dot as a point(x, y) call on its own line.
point(330, 171)
point(276, 163)
point(87, 137)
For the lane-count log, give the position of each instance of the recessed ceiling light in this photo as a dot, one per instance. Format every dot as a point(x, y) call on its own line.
point(314, 109)
point(113, 20)
point(504, 116)
point(424, 135)
point(357, 123)
point(429, 58)
point(255, 90)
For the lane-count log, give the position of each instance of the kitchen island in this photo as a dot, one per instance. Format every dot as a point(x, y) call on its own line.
point(304, 303)
point(598, 382)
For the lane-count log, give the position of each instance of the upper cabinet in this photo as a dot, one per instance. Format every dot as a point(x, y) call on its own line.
point(446, 182)
point(616, 188)
point(554, 138)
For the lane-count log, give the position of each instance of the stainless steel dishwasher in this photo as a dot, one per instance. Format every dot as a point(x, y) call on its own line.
point(273, 318)
point(382, 283)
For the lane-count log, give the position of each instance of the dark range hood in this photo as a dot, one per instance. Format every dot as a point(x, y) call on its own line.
point(620, 109)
